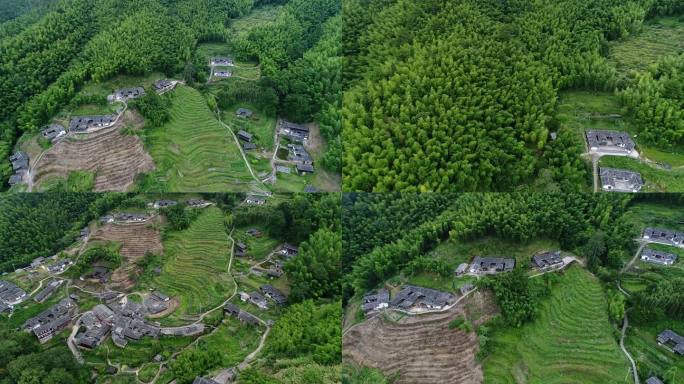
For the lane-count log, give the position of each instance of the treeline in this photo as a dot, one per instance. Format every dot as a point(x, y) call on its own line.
point(295, 219)
point(660, 300)
point(571, 219)
point(33, 225)
point(23, 360)
point(11, 9)
point(460, 94)
point(375, 219)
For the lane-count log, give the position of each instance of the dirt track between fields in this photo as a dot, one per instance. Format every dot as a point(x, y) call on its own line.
point(421, 348)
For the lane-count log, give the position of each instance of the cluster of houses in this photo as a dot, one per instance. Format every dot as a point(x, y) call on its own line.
point(125, 218)
point(620, 180)
point(547, 260)
point(198, 203)
point(125, 322)
point(52, 320)
point(665, 237)
point(10, 295)
point(20, 166)
point(221, 62)
point(163, 204)
point(124, 94)
point(192, 203)
point(247, 138)
point(302, 158)
point(60, 266)
point(610, 143)
point(259, 299)
point(490, 265)
point(410, 298)
point(84, 124)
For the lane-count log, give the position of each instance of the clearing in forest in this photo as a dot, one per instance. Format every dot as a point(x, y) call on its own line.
point(115, 157)
point(663, 36)
point(193, 152)
point(422, 349)
point(136, 239)
point(662, 170)
point(570, 341)
point(195, 268)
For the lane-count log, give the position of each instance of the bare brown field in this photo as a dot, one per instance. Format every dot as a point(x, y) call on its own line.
point(422, 349)
point(115, 158)
point(136, 240)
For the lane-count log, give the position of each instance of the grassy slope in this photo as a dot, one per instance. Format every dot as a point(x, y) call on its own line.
point(195, 265)
point(660, 37)
point(456, 253)
point(193, 152)
point(569, 342)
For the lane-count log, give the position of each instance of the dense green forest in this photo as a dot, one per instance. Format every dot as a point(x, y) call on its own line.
point(35, 225)
point(46, 58)
point(461, 94)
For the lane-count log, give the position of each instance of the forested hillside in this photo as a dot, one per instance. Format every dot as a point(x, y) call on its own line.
point(45, 59)
point(462, 94)
point(39, 225)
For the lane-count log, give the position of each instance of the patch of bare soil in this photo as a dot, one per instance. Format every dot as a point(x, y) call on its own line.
point(115, 157)
point(422, 349)
point(136, 240)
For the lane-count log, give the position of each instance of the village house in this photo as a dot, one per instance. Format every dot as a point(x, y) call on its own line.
point(203, 380)
point(16, 179)
point(131, 217)
point(258, 300)
point(85, 232)
point(244, 136)
point(126, 94)
point(664, 236)
point(37, 262)
point(274, 294)
point(619, 180)
point(53, 132)
point(610, 142)
point(99, 273)
point(59, 266)
point(241, 249)
point(10, 294)
point(461, 269)
point(223, 74)
point(196, 203)
point(186, 330)
point(247, 318)
point(109, 296)
point(547, 260)
point(653, 380)
point(164, 204)
point(465, 288)
point(244, 113)
point(222, 61)
point(298, 154)
point(249, 146)
point(295, 132)
point(305, 169)
point(156, 302)
point(375, 301)
point(672, 340)
point(163, 85)
point(52, 320)
point(283, 169)
point(254, 232)
point(5, 309)
point(491, 265)
point(20, 161)
point(106, 219)
point(412, 297)
point(288, 250)
point(255, 200)
point(231, 309)
point(96, 331)
point(46, 292)
point(85, 123)
point(658, 257)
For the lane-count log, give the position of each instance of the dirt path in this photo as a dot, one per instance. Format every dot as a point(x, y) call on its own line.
point(625, 321)
point(594, 166)
point(71, 345)
point(634, 259)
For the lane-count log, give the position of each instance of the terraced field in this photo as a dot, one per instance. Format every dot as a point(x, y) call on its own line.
point(196, 264)
point(193, 152)
point(421, 349)
point(115, 158)
point(571, 340)
point(136, 240)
